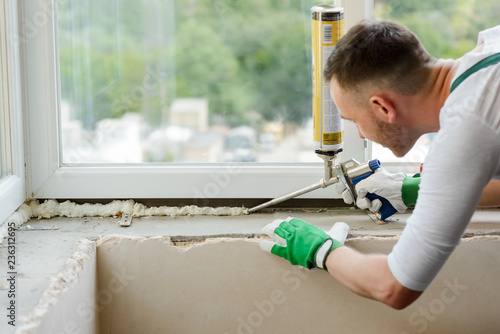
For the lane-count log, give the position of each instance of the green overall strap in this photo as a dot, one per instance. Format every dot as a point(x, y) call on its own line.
point(490, 60)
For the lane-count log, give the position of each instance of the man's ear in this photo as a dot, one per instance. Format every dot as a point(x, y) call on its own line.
point(383, 108)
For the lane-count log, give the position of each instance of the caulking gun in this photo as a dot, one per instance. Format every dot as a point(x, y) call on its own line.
point(349, 173)
point(327, 28)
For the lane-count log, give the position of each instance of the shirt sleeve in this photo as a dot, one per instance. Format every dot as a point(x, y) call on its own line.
point(464, 156)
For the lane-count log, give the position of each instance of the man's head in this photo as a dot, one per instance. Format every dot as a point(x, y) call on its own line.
point(371, 66)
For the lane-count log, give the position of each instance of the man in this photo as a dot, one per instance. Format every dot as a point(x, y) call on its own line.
point(384, 80)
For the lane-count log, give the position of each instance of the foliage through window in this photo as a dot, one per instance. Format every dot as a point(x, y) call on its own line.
point(185, 81)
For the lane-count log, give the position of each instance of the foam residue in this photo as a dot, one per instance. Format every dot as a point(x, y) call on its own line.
point(21, 216)
point(52, 208)
point(60, 283)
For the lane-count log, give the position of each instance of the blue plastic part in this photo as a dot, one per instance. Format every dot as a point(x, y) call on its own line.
point(386, 210)
point(359, 178)
point(374, 164)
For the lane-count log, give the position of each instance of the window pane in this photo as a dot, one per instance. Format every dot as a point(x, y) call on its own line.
point(5, 154)
point(447, 29)
point(5, 161)
point(185, 81)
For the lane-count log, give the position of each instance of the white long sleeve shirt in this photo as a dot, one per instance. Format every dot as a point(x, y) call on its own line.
point(463, 158)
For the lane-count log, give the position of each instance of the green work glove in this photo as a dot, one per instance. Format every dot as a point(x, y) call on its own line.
point(409, 189)
point(302, 243)
point(400, 190)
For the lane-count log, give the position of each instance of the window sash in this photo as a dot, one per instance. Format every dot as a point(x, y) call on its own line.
point(5, 133)
point(49, 178)
point(12, 186)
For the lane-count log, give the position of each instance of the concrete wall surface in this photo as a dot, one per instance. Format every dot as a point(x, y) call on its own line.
point(68, 305)
point(229, 286)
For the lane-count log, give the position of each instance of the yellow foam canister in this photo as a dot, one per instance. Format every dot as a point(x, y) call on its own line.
point(327, 29)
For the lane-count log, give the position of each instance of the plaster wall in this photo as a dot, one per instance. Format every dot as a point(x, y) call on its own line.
point(68, 304)
point(75, 310)
point(231, 286)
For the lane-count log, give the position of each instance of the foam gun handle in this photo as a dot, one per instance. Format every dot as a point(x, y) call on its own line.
point(386, 210)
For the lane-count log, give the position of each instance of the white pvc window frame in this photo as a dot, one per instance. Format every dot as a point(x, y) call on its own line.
point(48, 178)
point(12, 187)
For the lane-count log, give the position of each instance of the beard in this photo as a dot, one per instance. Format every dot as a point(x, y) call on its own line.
point(394, 137)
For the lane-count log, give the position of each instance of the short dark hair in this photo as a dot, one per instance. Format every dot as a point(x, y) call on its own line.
point(382, 53)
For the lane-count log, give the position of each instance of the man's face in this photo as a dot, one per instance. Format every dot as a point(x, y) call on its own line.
point(392, 136)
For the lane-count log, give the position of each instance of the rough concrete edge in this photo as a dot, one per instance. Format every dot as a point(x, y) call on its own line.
point(350, 238)
point(185, 244)
point(59, 284)
point(483, 237)
point(115, 239)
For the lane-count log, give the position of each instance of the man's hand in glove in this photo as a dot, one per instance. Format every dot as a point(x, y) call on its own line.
point(400, 190)
point(302, 243)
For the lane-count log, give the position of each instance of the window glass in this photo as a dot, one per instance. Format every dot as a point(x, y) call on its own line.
point(185, 81)
point(5, 153)
point(447, 29)
point(5, 161)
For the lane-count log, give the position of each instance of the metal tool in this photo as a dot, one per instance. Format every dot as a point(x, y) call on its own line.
point(345, 172)
point(126, 220)
point(36, 228)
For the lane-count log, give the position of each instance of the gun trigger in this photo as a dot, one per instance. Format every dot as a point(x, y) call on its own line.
point(348, 185)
